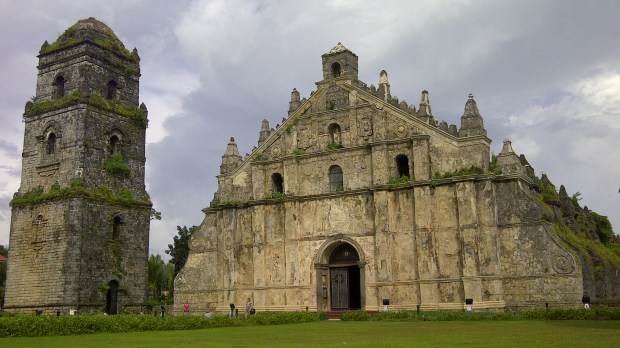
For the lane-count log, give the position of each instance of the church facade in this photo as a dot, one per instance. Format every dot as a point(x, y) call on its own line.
point(357, 200)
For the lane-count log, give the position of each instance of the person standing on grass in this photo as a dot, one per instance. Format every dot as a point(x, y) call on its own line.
point(186, 308)
point(248, 307)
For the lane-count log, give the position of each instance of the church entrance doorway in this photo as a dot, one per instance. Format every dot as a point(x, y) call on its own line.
point(345, 287)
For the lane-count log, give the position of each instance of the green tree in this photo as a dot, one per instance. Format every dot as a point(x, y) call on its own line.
point(179, 249)
point(160, 278)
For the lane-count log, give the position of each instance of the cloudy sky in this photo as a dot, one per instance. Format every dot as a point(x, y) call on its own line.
point(545, 74)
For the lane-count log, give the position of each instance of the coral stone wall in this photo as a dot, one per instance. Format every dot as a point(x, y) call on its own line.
point(432, 247)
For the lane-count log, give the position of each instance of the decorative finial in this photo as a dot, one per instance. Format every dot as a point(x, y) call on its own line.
point(383, 77)
point(507, 147)
point(44, 45)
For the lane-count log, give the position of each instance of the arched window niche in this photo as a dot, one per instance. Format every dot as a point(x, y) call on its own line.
point(115, 144)
point(112, 90)
point(58, 87)
point(277, 183)
point(335, 137)
point(402, 165)
point(117, 222)
point(50, 145)
point(336, 69)
point(336, 182)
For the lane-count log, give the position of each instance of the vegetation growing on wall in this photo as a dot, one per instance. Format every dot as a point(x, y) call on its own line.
point(231, 203)
point(587, 247)
point(69, 38)
point(74, 98)
point(275, 195)
point(117, 253)
point(603, 227)
point(35, 107)
point(76, 189)
point(585, 232)
point(399, 180)
point(493, 168)
point(473, 170)
point(549, 194)
point(260, 157)
point(334, 146)
point(116, 166)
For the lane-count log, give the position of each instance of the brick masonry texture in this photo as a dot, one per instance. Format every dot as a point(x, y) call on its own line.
point(77, 252)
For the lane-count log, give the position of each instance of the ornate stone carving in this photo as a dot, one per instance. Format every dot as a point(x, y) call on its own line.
point(276, 151)
point(306, 138)
point(365, 126)
point(336, 98)
point(563, 264)
point(401, 130)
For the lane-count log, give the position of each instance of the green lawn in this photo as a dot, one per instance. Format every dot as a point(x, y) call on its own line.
point(526, 333)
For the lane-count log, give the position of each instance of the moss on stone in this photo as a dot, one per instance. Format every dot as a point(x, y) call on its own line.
point(399, 180)
point(334, 146)
point(77, 189)
point(473, 170)
point(94, 100)
point(493, 167)
point(92, 30)
point(115, 165)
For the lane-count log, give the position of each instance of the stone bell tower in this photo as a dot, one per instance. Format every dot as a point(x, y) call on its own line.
point(339, 62)
point(80, 220)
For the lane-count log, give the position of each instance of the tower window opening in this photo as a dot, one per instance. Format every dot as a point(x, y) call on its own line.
point(336, 69)
point(277, 183)
point(334, 133)
point(59, 87)
point(336, 182)
point(116, 227)
point(112, 89)
point(114, 145)
point(402, 164)
point(50, 147)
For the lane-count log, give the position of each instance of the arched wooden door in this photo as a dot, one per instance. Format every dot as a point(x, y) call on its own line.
point(344, 273)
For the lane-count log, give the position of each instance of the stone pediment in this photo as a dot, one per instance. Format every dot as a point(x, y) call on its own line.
point(346, 112)
point(358, 116)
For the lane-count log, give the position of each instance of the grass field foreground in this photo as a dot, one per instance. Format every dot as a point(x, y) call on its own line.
point(519, 333)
